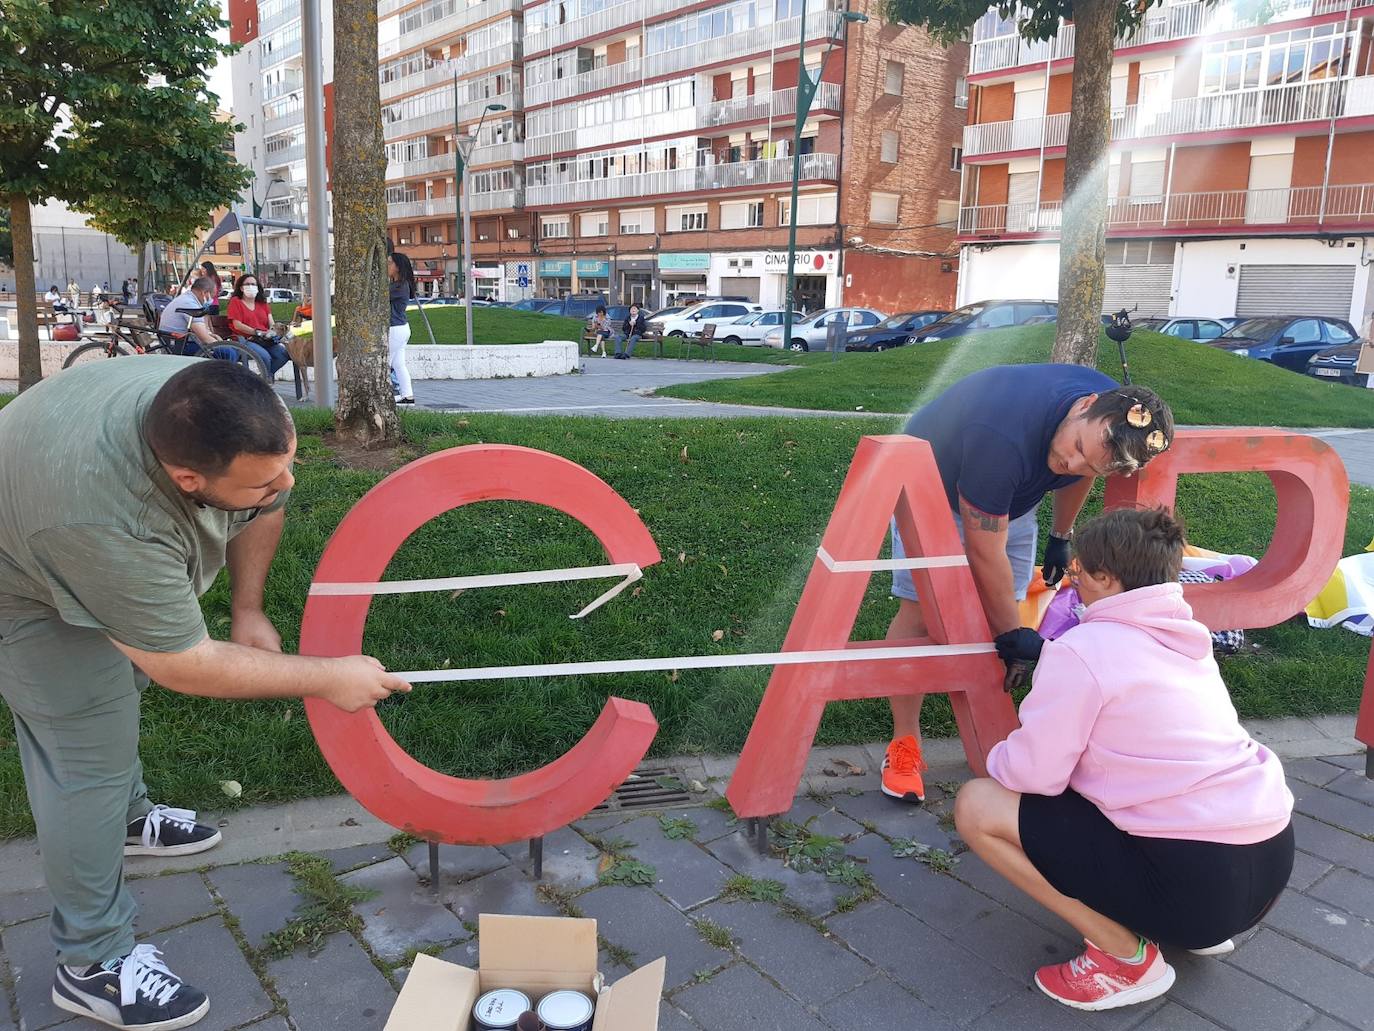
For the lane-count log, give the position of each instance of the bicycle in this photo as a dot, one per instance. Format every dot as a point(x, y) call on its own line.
point(123, 340)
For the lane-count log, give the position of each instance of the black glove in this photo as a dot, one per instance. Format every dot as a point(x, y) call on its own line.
point(1057, 556)
point(1020, 645)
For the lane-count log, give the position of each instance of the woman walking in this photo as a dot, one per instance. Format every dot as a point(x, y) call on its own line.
point(402, 276)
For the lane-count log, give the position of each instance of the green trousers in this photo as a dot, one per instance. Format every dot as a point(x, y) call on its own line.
point(75, 700)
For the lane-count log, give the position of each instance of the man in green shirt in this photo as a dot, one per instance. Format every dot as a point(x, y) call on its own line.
point(124, 488)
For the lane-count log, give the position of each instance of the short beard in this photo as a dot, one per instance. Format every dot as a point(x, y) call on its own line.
point(206, 499)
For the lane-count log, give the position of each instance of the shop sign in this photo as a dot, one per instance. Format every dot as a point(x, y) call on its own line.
point(684, 262)
point(557, 269)
point(808, 263)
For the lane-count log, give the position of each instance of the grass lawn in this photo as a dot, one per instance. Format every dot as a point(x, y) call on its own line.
point(1202, 384)
point(737, 523)
point(489, 325)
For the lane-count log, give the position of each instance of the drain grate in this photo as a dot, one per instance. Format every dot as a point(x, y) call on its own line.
point(649, 787)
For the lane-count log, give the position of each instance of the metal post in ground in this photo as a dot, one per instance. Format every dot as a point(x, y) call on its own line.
point(321, 301)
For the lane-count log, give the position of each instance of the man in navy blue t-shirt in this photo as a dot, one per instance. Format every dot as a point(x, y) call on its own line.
point(1002, 438)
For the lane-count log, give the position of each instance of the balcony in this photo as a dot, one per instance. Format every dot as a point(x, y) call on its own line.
point(778, 104)
point(607, 20)
point(1253, 109)
point(281, 158)
point(273, 126)
point(497, 200)
point(280, 89)
point(436, 31)
point(819, 26)
point(272, 22)
point(1162, 24)
point(440, 118)
point(283, 50)
point(1225, 211)
point(700, 179)
point(497, 154)
point(435, 164)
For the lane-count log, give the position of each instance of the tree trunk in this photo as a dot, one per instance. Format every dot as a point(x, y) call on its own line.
point(1083, 236)
point(365, 412)
point(25, 292)
point(142, 268)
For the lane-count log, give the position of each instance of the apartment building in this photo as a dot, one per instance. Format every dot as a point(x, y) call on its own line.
point(1241, 171)
point(643, 147)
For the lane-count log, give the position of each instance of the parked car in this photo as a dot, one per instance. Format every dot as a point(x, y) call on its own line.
point(663, 313)
point(751, 328)
point(718, 313)
point(813, 331)
point(1285, 340)
point(617, 313)
point(1337, 365)
point(1185, 328)
point(998, 314)
point(281, 295)
point(892, 332)
point(575, 306)
point(534, 304)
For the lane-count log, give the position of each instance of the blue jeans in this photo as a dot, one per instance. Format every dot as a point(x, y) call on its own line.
point(629, 343)
point(1022, 536)
point(272, 352)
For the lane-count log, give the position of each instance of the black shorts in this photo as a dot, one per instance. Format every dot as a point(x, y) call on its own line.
point(1189, 894)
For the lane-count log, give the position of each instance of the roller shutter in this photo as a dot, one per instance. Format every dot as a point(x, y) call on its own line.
point(1149, 286)
point(1296, 290)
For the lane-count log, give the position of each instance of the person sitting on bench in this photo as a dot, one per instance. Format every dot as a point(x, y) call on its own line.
point(183, 320)
point(1131, 802)
point(631, 331)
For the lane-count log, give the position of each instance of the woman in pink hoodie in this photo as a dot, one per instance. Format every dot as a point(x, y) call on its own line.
point(1131, 802)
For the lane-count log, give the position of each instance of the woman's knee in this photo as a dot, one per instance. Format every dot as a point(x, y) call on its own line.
point(982, 807)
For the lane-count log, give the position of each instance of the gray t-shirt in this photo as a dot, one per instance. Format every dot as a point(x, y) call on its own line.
point(180, 312)
point(92, 530)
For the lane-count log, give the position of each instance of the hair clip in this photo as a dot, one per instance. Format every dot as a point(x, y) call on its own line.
point(1139, 416)
point(1156, 441)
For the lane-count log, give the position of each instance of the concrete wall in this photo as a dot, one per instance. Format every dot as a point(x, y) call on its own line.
point(64, 247)
point(1011, 270)
point(1203, 285)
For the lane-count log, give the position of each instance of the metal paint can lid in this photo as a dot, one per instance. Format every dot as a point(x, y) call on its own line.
point(566, 1011)
point(498, 1010)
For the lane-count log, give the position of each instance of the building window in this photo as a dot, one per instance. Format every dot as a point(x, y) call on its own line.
point(882, 208)
point(961, 94)
point(596, 224)
point(893, 83)
point(1147, 181)
point(956, 158)
point(815, 209)
point(741, 214)
point(686, 220)
point(555, 228)
point(889, 154)
point(639, 220)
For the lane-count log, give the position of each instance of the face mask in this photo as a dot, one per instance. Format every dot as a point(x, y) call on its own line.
point(250, 291)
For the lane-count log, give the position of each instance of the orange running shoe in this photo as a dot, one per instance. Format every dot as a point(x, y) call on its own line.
point(902, 766)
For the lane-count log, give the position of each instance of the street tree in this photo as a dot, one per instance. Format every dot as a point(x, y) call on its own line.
point(67, 67)
point(1083, 234)
point(365, 412)
point(138, 201)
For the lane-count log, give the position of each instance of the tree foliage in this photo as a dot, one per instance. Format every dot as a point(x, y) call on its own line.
point(1084, 221)
point(103, 106)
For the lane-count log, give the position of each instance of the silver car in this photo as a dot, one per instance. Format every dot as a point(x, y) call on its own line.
point(812, 332)
point(751, 329)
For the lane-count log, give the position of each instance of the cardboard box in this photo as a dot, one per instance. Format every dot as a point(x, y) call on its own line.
point(1365, 363)
point(537, 955)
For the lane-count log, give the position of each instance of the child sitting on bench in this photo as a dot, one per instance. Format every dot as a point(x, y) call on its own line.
point(1131, 802)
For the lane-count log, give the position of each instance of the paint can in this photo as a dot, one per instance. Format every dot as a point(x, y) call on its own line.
point(498, 1010)
point(566, 1011)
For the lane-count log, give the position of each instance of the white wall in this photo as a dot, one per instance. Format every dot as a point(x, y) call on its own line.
point(1009, 270)
point(1202, 285)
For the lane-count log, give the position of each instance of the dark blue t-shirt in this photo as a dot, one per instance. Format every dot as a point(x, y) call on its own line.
point(400, 297)
point(991, 433)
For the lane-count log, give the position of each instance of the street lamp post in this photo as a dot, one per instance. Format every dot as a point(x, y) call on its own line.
point(807, 85)
point(463, 145)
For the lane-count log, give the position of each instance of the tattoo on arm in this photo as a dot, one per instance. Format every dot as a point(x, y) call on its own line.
point(982, 520)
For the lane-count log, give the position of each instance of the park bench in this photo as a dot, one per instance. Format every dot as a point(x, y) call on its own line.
point(706, 339)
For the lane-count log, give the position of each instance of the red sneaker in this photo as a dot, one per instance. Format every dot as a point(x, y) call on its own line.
point(902, 766)
point(1097, 981)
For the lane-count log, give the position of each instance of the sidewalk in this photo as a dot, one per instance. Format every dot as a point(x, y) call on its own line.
point(876, 942)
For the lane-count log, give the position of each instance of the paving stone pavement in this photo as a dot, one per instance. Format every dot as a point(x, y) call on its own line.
point(750, 941)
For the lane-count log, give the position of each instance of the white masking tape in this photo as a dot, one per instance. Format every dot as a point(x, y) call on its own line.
point(874, 565)
point(569, 669)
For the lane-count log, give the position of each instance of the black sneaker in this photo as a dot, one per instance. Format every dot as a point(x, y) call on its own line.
point(137, 991)
point(169, 832)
